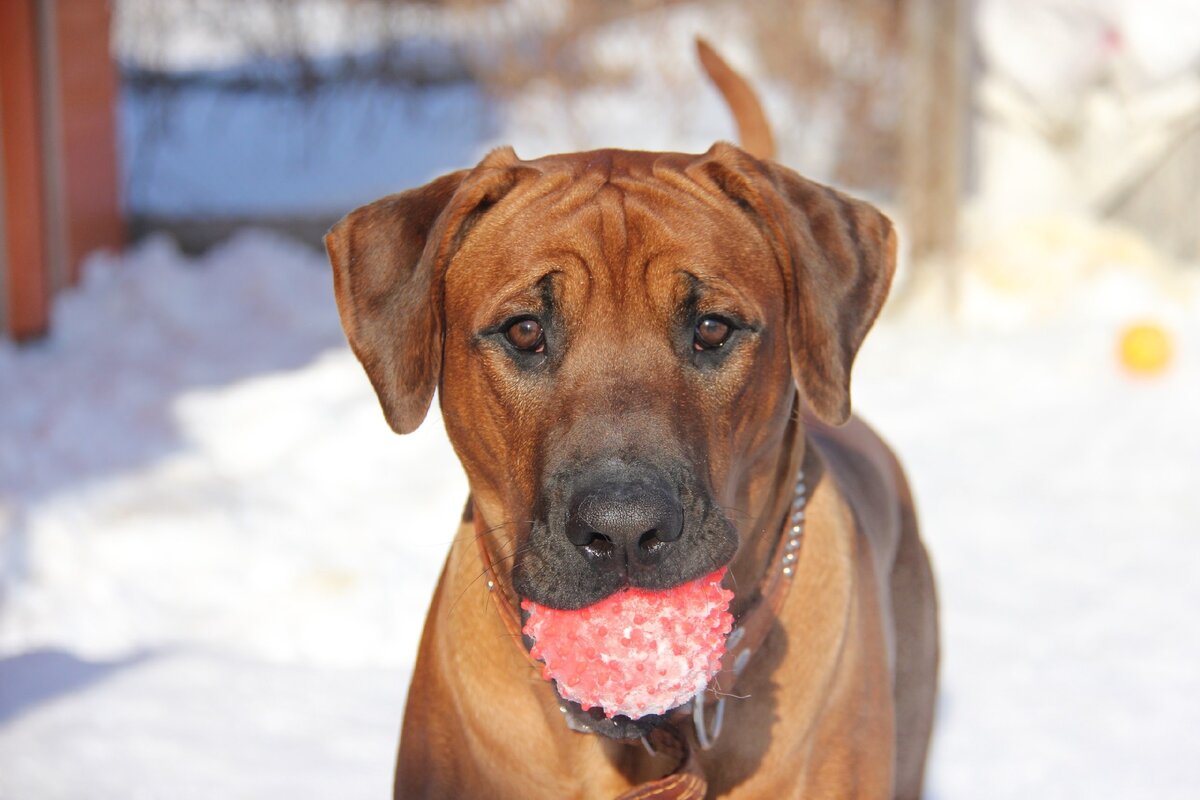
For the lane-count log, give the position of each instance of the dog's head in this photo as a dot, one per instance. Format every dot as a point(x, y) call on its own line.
point(617, 339)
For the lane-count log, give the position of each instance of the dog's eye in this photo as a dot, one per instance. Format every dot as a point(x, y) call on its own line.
point(711, 333)
point(526, 335)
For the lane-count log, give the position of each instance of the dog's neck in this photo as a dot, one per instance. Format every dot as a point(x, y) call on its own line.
point(769, 508)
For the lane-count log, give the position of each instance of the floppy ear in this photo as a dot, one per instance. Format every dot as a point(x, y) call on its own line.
point(838, 256)
point(388, 259)
point(383, 279)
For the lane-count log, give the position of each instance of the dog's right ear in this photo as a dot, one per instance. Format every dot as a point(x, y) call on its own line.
point(383, 280)
point(388, 259)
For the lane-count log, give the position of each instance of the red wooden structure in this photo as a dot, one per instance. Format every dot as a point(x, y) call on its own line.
point(58, 163)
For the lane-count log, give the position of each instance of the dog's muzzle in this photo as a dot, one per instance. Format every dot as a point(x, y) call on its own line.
point(613, 524)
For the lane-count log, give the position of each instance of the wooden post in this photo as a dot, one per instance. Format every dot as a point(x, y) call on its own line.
point(933, 137)
point(80, 79)
point(26, 290)
point(58, 176)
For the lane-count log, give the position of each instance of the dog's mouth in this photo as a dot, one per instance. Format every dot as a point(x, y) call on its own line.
point(619, 577)
point(617, 727)
point(621, 665)
point(594, 719)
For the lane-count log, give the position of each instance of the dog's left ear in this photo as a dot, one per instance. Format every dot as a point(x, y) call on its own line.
point(838, 256)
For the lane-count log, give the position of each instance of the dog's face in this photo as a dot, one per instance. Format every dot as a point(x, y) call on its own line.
point(618, 338)
point(600, 336)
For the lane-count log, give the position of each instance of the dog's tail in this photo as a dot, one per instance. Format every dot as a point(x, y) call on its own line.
point(754, 132)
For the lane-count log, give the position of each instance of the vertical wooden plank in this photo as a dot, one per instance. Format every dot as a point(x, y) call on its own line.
point(26, 284)
point(84, 93)
point(53, 183)
point(933, 135)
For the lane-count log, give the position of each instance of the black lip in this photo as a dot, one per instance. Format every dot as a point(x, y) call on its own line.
point(618, 727)
point(593, 720)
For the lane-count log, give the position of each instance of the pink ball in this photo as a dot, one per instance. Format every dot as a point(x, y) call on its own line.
point(636, 652)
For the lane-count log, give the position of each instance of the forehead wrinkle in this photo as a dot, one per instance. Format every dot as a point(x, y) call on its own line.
point(710, 240)
point(591, 230)
point(574, 242)
point(545, 227)
point(723, 260)
point(649, 254)
point(613, 235)
point(564, 234)
point(727, 291)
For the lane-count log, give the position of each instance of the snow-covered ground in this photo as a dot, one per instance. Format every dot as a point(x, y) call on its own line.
point(215, 558)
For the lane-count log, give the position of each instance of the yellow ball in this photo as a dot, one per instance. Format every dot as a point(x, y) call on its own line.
point(1145, 348)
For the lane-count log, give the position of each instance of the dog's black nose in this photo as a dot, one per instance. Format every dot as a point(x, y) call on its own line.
point(629, 523)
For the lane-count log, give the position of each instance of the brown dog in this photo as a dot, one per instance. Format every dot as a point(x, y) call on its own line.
point(635, 354)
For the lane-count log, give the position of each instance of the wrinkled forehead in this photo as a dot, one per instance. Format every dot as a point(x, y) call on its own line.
point(630, 225)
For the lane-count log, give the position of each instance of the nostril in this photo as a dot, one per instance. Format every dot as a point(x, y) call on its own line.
point(598, 546)
point(671, 527)
point(650, 542)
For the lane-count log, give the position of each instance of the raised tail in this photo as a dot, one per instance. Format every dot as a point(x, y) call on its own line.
point(754, 132)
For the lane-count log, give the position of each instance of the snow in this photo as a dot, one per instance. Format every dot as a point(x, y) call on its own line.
point(1057, 498)
point(197, 725)
point(215, 557)
point(193, 414)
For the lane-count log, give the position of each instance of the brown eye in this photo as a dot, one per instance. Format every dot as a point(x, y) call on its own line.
point(526, 334)
point(711, 333)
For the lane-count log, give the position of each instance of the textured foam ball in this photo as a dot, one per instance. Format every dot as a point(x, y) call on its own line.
point(636, 652)
point(1145, 348)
